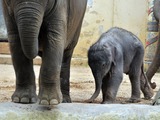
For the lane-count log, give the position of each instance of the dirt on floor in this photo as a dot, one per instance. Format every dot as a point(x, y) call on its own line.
point(81, 82)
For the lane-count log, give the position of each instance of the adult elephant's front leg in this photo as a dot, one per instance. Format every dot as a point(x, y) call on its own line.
point(25, 91)
point(50, 92)
point(25, 79)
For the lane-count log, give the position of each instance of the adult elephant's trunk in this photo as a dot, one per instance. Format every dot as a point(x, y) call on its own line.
point(155, 63)
point(29, 19)
point(98, 84)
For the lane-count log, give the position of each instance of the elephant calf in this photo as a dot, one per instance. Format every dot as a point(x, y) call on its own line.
point(116, 52)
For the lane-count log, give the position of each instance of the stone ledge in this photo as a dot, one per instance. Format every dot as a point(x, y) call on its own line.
point(79, 111)
point(6, 59)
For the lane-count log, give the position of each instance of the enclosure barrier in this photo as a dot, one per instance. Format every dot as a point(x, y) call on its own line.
point(79, 111)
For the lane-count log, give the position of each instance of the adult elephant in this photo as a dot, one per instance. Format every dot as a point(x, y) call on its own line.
point(51, 29)
point(156, 60)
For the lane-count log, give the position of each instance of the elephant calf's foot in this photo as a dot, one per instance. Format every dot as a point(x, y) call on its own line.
point(25, 95)
point(50, 96)
point(133, 100)
point(108, 99)
point(107, 102)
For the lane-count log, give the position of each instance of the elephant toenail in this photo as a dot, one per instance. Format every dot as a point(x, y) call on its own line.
point(25, 100)
point(16, 100)
point(54, 102)
point(33, 100)
point(44, 102)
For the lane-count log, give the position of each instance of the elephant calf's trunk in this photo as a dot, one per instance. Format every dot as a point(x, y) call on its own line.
point(94, 96)
point(98, 83)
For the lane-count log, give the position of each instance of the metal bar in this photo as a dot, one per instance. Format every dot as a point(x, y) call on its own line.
point(3, 40)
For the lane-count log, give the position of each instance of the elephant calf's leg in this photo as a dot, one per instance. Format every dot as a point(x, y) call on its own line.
point(134, 75)
point(110, 87)
point(135, 85)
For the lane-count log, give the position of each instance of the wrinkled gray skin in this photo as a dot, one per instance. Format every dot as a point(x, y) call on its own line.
point(156, 60)
point(51, 29)
point(116, 52)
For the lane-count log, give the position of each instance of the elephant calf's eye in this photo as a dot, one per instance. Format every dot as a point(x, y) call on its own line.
point(104, 64)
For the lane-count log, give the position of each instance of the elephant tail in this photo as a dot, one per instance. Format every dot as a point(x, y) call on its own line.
point(146, 86)
point(153, 85)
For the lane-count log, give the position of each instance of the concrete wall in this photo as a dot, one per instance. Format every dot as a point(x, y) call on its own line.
point(3, 33)
point(104, 14)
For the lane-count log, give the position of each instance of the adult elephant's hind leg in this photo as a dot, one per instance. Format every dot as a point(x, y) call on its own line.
point(65, 76)
point(65, 70)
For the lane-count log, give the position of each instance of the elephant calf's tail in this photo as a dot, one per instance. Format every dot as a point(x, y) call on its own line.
point(153, 85)
point(146, 86)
